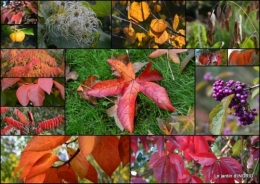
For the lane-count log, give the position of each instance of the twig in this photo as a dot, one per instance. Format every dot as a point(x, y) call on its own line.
point(225, 147)
point(252, 87)
point(68, 161)
point(67, 143)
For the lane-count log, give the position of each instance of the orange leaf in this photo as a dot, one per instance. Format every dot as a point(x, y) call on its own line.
point(79, 163)
point(21, 116)
point(88, 143)
point(27, 160)
point(68, 174)
point(158, 26)
point(42, 165)
point(51, 176)
point(248, 54)
point(139, 11)
point(36, 179)
point(44, 143)
point(124, 147)
point(106, 154)
point(175, 22)
point(233, 56)
point(162, 38)
point(240, 59)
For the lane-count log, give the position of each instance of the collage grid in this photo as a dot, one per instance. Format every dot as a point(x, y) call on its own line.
point(129, 91)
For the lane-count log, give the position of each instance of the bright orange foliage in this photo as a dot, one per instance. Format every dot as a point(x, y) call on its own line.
point(241, 58)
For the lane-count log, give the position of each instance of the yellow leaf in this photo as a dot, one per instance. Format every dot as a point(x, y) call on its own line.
point(175, 22)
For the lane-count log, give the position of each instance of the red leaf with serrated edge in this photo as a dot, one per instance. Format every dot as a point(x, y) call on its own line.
point(7, 82)
point(14, 123)
point(166, 167)
point(225, 166)
point(79, 163)
point(61, 88)
point(106, 154)
point(206, 158)
point(123, 148)
point(88, 143)
point(4, 109)
point(43, 143)
point(42, 165)
point(36, 94)
point(23, 119)
point(16, 18)
point(92, 174)
point(46, 84)
point(128, 86)
point(51, 123)
point(22, 94)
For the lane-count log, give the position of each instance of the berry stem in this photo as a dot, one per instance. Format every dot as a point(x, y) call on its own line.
point(252, 87)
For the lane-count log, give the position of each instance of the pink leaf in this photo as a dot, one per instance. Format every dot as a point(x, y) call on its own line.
point(46, 84)
point(36, 94)
point(61, 88)
point(16, 18)
point(7, 82)
point(22, 94)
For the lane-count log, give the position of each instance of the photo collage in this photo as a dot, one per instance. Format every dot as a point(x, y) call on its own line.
point(130, 91)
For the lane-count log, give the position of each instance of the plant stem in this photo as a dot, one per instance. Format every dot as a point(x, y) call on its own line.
point(68, 161)
point(252, 87)
point(225, 147)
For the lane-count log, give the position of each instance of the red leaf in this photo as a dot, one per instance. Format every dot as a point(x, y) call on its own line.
point(7, 82)
point(31, 6)
point(92, 174)
point(50, 123)
point(129, 86)
point(4, 109)
point(6, 130)
point(16, 18)
point(206, 158)
point(166, 167)
point(14, 123)
point(124, 148)
point(46, 84)
point(61, 88)
point(160, 144)
point(36, 94)
point(22, 94)
point(224, 166)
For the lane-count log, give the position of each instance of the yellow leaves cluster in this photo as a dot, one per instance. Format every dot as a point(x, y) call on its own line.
point(159, 31)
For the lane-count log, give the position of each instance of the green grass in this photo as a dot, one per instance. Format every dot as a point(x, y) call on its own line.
point(84, 118)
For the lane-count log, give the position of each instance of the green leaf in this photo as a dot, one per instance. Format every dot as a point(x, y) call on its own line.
point(3, 98)
point(255, 81)
point(247, 43)
point(238, 147)
point(28, 31)
point(175, 125)
point(218, 45)
point(256, 68)
point(101, 8)
point(255, 92)
point(217, 116)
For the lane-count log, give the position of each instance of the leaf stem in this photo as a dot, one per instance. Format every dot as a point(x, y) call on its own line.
point(225, 147)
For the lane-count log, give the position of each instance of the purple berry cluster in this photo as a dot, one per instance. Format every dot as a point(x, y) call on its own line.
point(222, 89)
point(209, 77)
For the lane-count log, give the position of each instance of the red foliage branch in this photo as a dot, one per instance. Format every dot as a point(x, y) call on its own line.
point(14, 123)
point(50, 123)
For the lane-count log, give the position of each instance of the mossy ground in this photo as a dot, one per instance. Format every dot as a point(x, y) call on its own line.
point(84, 118)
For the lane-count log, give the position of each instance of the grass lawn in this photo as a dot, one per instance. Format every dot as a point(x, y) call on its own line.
point(84, 118)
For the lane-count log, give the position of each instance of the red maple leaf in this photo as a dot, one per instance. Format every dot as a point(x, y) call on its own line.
point(128, 86)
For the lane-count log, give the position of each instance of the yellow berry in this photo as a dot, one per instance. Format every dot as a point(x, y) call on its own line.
point(17, 36)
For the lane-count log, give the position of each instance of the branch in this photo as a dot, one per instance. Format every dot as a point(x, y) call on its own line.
point(68, 161)
point(225, 147)
point(252, 87)
point(67, 143)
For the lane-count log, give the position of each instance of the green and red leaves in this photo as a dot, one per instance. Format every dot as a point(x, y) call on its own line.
point(129, 86)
